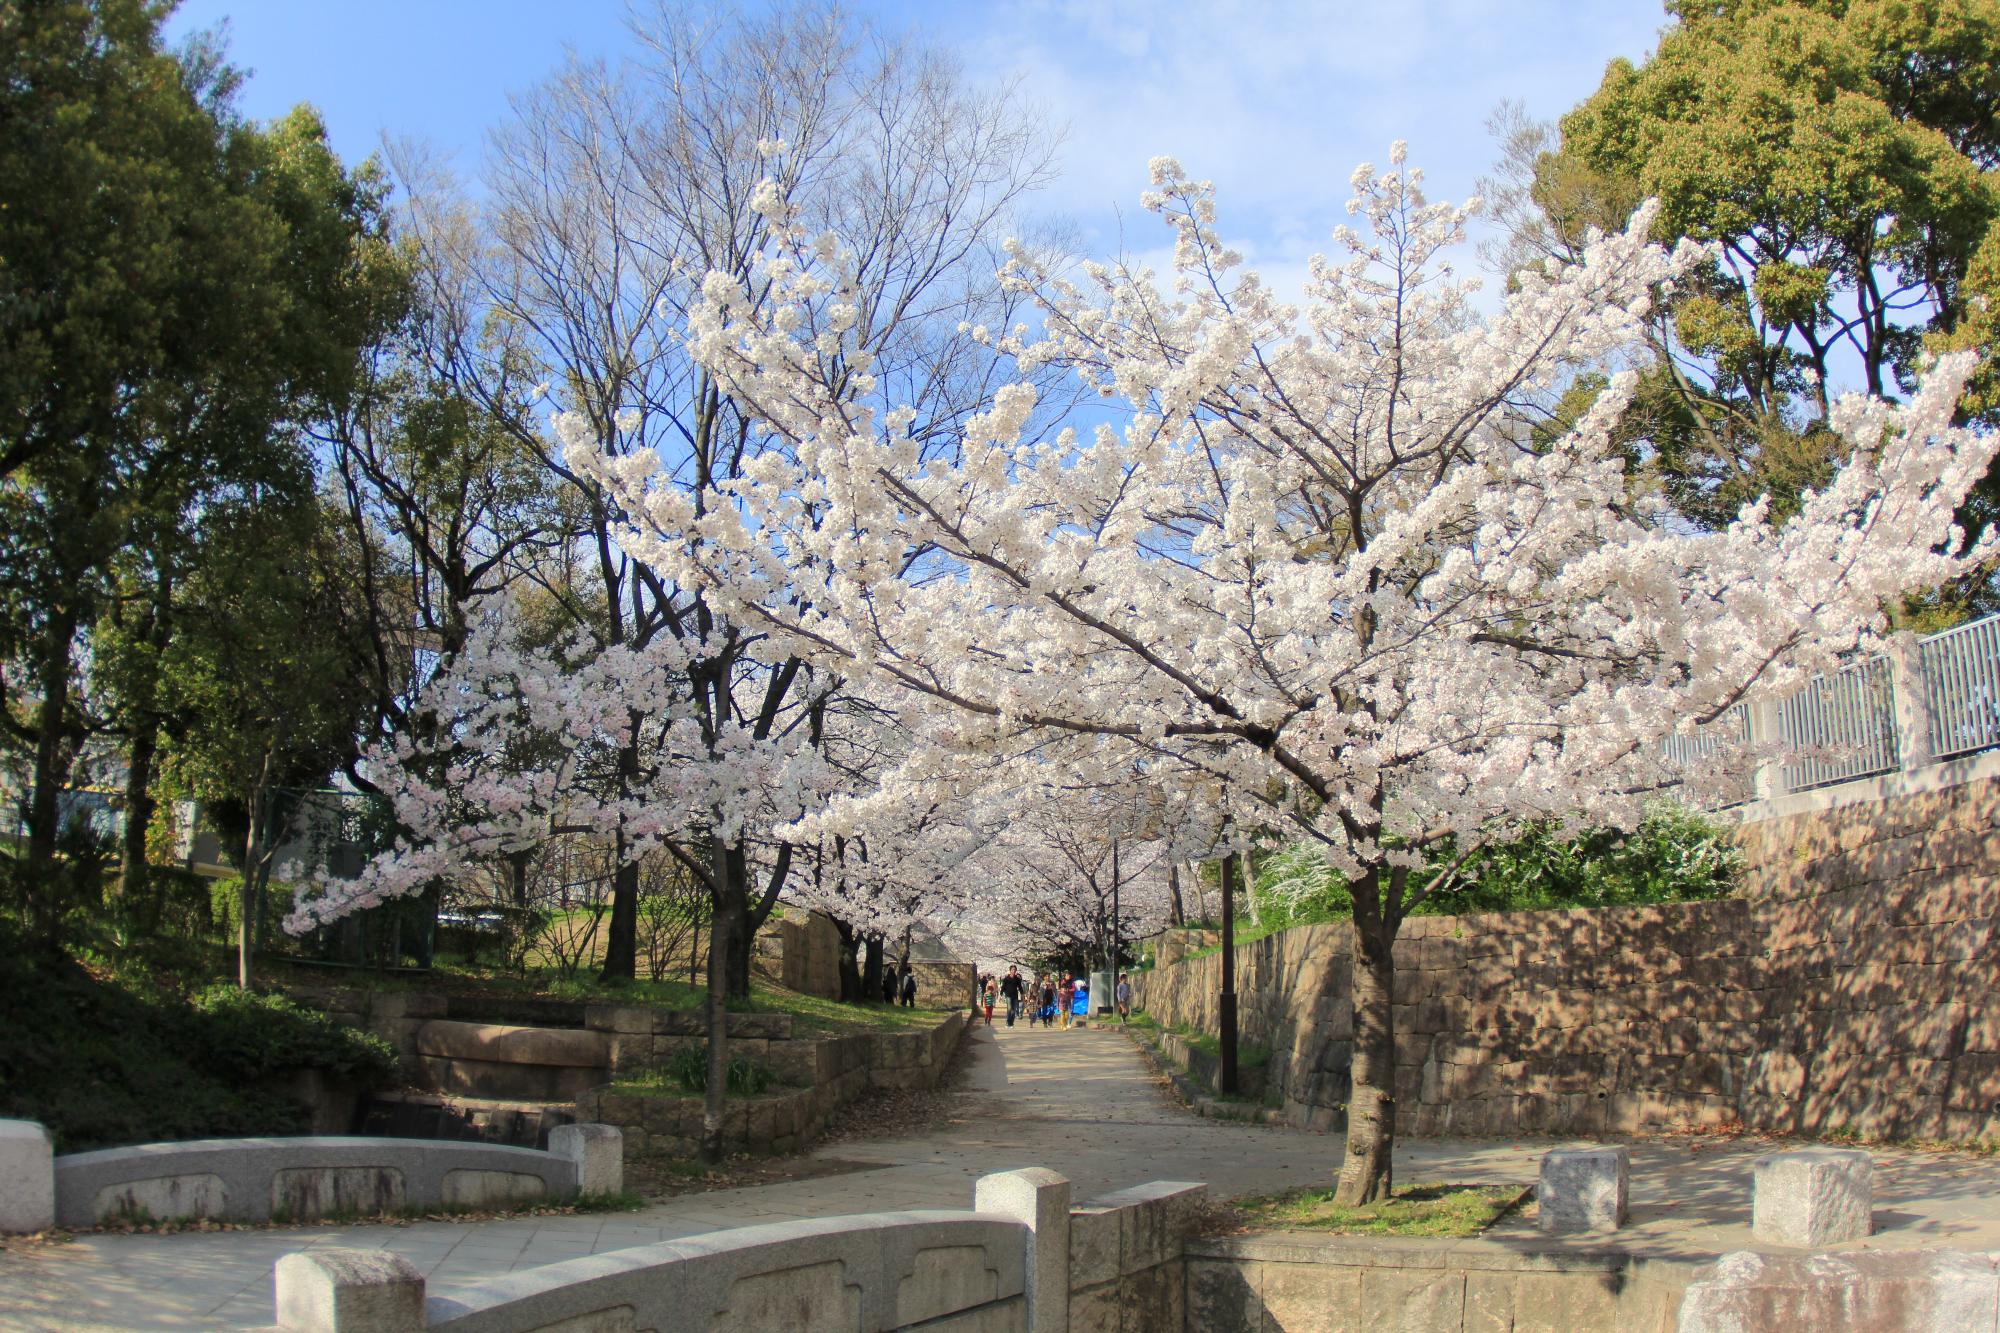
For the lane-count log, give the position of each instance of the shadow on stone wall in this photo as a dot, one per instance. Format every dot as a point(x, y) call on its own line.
point(1851, 989)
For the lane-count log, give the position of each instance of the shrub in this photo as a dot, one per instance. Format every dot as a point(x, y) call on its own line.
point(105, 1060)
point(689, 1068)
point(225, 904)
point(1675, 855)
point(254, 1036)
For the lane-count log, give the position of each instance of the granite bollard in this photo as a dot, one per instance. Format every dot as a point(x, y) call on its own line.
point(599, 1154)
point(1583, 1189)
point(1813, 1197)
point(349, 1291)
point(27, 1177)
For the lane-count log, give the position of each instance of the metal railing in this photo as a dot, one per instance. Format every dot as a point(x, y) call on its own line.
point(1845, 725)
point(1961, 670)
point(1874, 716)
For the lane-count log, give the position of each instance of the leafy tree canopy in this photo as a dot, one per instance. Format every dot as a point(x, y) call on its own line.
point(1838, 154)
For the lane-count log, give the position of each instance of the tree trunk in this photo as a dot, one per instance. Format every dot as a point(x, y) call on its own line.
point(714, 1104)
point(139, 803)
point(871, 968)
point(850, 969)
point(52, 751)
point(1176, 910)
point(1365, 1174)
point(621, 941)
point(732, 918)
point(253, 851)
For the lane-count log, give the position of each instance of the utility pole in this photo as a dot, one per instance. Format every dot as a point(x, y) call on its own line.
point(1114, 918)
point(1227, 1008)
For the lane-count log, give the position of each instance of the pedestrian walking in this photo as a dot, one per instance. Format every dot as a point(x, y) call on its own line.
point(1013, 988)
point(1048, 1000)
point(1124, 996)
point(1066, 999)
point(909, 988)
point(889, 984)
point(991, 993)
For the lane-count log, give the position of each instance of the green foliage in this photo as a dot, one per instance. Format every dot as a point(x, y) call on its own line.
point(225, 904)
point(1675, 855)
point(105, 1059)
point(1840, 157)
point(256, 1036)
point(689, 1069)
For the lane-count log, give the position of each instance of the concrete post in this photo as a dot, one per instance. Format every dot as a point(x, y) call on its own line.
point(1813, 1197)
point(349, 1291)
point(599, 1154)
point(1583, 1189)
point(1770, 779)
point(27, 1177)
point(1038, 1198)
point(1913, 704)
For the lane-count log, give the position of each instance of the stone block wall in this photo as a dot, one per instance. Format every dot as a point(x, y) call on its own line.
point(1854, 987)
point(943, 984)
point(640, 1036)
point(826, 1074)
point(1125, 1268)
point(1299, 1280)
point(807, 948)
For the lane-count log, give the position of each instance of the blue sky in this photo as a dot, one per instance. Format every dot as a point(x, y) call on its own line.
point(1274, 102)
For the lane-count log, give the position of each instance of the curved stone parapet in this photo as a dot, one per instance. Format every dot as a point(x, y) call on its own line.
point(882, 1271)
point(257, 1180)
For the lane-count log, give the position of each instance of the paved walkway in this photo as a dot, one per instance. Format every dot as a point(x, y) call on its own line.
point(1081, 1102)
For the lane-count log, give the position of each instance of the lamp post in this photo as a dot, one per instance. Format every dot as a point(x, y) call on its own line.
point(1226, 1010)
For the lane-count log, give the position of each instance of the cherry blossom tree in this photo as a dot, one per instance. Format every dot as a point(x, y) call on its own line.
point(1318, 556)
point(1085, 884)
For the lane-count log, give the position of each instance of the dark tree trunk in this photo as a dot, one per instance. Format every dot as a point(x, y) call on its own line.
point(714, 1105)
point(732, 919)
point(1365, 1173)
point(517, 877)
point(139, 806)
point(254, 854)
point(621, 940)
point(52, 745)
point(850, 968)
point(1176, 911)
point(871, 968)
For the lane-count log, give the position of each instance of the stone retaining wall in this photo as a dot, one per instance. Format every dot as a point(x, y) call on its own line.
point(574, 1046)
point(1854, 988)
point(826, 1074)
point(1296, 1280)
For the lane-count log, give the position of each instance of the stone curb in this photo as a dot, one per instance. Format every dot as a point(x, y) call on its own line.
point(1197, 1099)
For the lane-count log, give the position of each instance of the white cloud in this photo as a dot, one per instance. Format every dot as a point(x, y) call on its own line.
point(1277, 103)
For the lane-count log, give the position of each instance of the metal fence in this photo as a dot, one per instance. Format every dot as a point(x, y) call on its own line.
point(1847, 726)
point(1843, 725)
point(1961, 670)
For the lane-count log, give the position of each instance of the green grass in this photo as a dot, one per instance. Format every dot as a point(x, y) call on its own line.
point(1247, 1056)
point(1247, 931)
point(1445, 1212)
